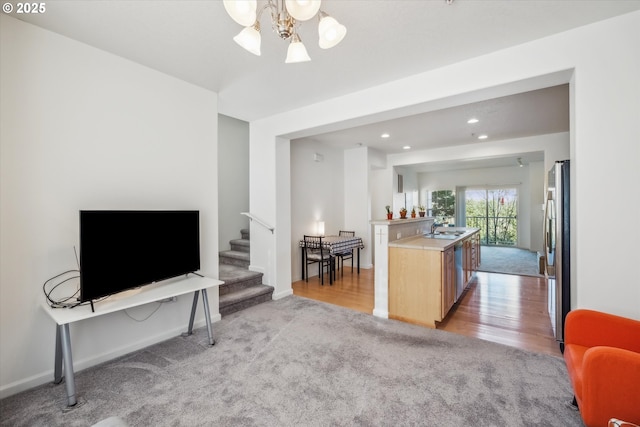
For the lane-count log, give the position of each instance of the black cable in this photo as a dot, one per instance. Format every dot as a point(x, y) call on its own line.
point(64, 302)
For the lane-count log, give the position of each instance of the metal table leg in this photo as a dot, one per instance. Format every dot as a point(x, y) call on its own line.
point(57, 369)
point(207, 316)
point(194, 305)
point(70, 381)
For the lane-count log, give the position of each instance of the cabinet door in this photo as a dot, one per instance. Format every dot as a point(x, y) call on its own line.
point(467, 261)
point(478, 246)
point(448, 281)
point(415, 286)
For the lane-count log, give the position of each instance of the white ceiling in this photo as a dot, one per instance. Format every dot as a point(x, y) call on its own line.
point(386, 40)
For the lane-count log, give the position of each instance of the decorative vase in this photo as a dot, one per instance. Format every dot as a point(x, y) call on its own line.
point(422, 213)
point(390, 216)
point(413, 214)
point(403, 214)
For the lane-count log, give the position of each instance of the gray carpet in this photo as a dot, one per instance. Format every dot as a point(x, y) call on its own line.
point(298, 362)
point(509, 260)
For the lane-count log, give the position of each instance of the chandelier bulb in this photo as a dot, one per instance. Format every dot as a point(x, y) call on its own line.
point(330, 31)
point(302, 10)
point(296, 51)
point(249, 38)
point(242, 11)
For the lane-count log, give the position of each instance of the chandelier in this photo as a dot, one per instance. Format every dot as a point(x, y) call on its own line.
point(286, 16)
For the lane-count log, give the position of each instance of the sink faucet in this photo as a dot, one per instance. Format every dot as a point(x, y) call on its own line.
point(433, 227)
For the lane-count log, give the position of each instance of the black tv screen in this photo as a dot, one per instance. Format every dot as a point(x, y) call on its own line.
point(120, 250)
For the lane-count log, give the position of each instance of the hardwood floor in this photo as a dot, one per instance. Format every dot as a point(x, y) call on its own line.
point(354, 291)
point(502, 308)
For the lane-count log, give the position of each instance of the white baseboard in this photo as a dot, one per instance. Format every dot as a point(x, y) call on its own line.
point(256, 268)
point(47, 376)
point(381, 313)
point(281, 295)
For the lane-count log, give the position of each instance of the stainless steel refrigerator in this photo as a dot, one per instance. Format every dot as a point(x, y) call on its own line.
point(557, 243)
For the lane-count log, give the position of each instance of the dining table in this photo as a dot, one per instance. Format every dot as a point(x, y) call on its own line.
point(335, 245)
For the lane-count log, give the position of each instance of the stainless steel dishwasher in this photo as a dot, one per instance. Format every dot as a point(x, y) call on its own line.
point(459, 275)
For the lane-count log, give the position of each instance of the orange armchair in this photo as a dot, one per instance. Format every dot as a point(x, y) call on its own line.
point(602, 354)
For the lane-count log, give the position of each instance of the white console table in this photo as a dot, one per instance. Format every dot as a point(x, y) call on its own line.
point(122, 301)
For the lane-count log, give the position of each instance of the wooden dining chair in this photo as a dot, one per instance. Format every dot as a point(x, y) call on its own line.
point(341, 256)
point(315, 253)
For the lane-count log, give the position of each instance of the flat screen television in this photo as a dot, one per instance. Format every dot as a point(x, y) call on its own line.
point(121, 250)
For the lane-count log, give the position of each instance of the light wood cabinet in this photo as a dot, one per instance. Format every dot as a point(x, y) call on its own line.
point(470, 257)
point(448, 281)
point(421, 285)
point(422, 276)
point(476, 251)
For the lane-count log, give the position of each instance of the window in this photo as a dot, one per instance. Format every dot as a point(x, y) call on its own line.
point(442, 205)
point(495, 213)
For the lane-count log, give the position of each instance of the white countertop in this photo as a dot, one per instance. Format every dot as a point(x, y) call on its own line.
point(406, 220)
point(435, 244)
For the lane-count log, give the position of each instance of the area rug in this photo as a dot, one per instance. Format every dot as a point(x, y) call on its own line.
point(298, 362)
point(509, 260)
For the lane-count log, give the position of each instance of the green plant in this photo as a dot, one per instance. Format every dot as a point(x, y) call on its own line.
point(388, 208)
point(422, 208)
point(403, 210)
point(413, 210)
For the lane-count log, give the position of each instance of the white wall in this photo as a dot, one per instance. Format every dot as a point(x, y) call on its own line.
point(83, 129)
point(317, 194)
point(357, 200)
point(604, 149)
point(233, 179)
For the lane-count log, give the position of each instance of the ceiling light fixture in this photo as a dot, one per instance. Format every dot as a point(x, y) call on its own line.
point(385, 135)
point(406, 147)
point(483, 137)
point(472, 120)
point(520, 162)
point(285, 18)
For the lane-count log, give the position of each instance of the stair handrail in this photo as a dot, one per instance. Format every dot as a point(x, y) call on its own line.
point(252, 217)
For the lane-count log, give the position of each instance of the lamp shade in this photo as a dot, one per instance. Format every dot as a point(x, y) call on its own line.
point(331, 32)
point(250, 39)
point(242, 11)
point(296, 52)
point(302, 10)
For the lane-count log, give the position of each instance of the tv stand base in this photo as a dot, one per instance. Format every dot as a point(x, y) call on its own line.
point(205, 305)
point(64, 317)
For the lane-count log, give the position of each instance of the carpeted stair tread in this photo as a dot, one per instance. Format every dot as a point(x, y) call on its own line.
point(244, 298)
point(248, 292)
point(242, 288)
point(240, 245)
point(236, 255)
point(232, 274)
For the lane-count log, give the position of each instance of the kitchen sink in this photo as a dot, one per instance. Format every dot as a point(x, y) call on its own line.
point(442, 236)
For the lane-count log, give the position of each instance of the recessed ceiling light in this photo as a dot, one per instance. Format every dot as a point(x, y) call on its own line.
point(472, 120)
point(406, 147)
point(385, 135)
point(483, 137)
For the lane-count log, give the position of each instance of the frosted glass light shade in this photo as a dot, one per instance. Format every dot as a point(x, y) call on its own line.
point(250, 39)
point(242, 11)
point(296, 52)
point(302, 10)
point(331, 32)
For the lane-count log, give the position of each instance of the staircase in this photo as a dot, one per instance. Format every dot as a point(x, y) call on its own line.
point(242, 288)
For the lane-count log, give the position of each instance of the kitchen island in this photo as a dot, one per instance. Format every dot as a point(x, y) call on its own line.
point(429, 272)
point(385, 232)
